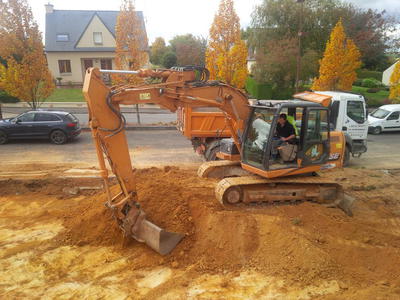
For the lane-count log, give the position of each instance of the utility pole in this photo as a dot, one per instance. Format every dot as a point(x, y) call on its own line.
point(299, 35)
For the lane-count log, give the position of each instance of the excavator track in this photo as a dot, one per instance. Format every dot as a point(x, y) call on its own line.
point(239, 191)
point(221, 169)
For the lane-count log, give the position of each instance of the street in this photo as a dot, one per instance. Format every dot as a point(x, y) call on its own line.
point(165, 147)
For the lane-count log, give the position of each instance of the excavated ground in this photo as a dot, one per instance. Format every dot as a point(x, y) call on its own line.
point(58, 240)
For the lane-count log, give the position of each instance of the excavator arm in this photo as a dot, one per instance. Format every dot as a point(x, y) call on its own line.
point(177, 88)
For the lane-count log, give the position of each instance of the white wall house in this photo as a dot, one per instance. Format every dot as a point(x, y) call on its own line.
point(387, 73)
point(80, 39)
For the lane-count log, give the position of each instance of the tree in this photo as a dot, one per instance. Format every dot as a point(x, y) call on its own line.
point(189, 49)
point(369, 29)
point(276, 64)
point(341, 59)
point(226, 55)
point(131, 43)
point(169, 59)
point(395, 84)
point(24, 73)
point(158, 49)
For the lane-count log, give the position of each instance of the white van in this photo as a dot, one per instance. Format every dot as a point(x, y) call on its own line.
point(385, 118)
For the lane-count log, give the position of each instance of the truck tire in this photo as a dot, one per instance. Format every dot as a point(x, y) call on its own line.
point(212, 149)
point(346, 160)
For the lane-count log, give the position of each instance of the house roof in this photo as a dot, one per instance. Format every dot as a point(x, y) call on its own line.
point(74, 23)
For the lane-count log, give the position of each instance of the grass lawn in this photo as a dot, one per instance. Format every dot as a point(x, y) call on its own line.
point(373, 99)
point(66, 95)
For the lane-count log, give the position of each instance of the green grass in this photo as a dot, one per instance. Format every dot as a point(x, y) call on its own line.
point(373, 99)
point(66, 95)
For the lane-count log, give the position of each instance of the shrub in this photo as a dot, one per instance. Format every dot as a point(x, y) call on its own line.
point(373, 90)
point(371, 83)
point(363, 73)
point(358, 82)
point(258, 90)
point(6, 98)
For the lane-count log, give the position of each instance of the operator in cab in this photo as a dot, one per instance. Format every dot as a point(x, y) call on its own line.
point(284, 133)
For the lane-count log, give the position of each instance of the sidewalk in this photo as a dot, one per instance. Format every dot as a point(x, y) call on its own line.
point(45, 105)
point(151, 116)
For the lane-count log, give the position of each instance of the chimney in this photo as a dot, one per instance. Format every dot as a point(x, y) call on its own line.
point(49, 8)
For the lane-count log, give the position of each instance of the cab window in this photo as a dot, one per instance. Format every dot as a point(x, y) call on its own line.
point(257, 136)
point(355, 111)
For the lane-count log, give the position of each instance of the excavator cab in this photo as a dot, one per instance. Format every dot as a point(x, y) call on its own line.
point(309, 147)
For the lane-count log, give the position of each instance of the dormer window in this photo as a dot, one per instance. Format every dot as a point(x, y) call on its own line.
point(62, 37)
point(98, 38)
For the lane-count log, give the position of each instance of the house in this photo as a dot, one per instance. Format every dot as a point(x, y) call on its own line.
point(387, 73)
point(79, 39)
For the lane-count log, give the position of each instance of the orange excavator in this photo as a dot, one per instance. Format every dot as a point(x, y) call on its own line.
point(249, 173)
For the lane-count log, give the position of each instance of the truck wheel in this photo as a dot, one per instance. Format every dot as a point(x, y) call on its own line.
point(212, 150)
point(376, 130)
point(58, 137)
point(3, 137)
point(346, 160)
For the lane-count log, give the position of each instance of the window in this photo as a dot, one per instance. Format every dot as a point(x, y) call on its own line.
point(27, 117)
point(44, 117)
point(393, 116)
point(355, 111)
point(71, 118)
point(316, 138)
point(380, 113)
point(106, 64)
point(97, 38)
point(64, 66)
point(62, 37)
point(317, 125)
point(257, 136)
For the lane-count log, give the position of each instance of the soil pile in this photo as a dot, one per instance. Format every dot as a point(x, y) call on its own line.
point(302, 242)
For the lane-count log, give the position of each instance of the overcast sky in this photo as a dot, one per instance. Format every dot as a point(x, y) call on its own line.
point(168, 18)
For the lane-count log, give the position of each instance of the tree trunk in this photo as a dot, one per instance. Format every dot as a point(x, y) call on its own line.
point(137, 113)
point(1, 113)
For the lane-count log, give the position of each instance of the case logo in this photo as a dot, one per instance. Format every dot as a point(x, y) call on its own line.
point(144, 96)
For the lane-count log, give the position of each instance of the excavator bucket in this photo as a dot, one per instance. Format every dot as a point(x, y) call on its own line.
point(136, 225)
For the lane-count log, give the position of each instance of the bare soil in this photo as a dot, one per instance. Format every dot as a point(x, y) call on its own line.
point(58, 240)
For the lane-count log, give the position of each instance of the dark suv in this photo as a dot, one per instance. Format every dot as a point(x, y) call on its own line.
point(58, 126)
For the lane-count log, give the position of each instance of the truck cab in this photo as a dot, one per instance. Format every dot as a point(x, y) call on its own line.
point(348, 113)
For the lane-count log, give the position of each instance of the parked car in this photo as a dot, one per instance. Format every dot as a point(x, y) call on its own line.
point(385, 118)
point(57, 126)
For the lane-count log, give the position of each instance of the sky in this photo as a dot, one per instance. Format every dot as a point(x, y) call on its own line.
point(167, 18)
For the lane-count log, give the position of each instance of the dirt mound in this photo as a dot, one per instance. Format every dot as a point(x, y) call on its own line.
point(302, 242)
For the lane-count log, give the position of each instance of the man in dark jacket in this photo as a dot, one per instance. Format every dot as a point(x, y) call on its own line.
point(284, 133)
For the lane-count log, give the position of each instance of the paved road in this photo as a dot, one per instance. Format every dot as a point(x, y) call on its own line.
point(166, 147)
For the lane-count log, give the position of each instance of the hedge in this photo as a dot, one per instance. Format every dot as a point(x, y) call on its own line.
point(6, 98)
point(258, 90)
point(363, 73)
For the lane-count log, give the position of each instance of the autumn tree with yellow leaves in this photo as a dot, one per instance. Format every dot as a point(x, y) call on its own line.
point(24, 73)
point(226, 55)
point(131, 44)
point(338, 66)
point(395, 84)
